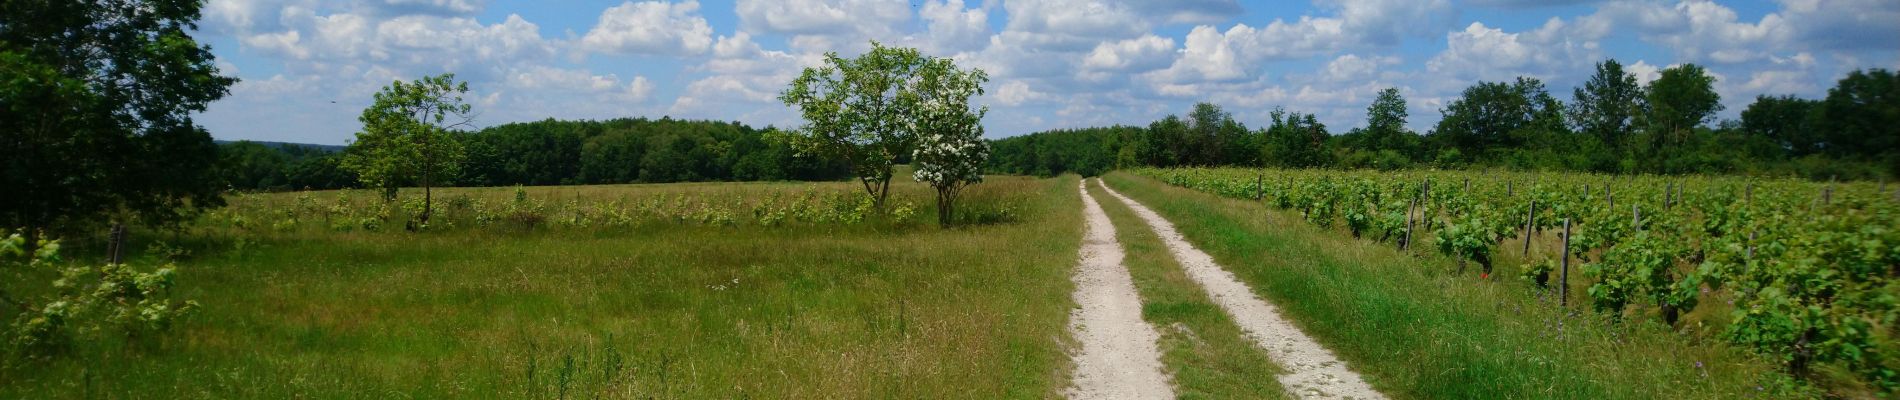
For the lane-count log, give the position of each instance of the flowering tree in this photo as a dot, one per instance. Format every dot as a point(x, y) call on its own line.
point(950, 152)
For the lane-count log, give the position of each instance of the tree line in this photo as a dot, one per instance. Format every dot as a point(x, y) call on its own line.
point(1612, 124)
point(555, 152)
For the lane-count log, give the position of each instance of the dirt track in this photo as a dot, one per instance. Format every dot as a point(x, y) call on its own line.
point(1312, 370)
point(1118, 358)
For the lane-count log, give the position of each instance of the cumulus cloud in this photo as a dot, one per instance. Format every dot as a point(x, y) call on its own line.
point(1145, 53)
point(820, 25)
point(1055, 63)
point(953, 28)
point(650, 27)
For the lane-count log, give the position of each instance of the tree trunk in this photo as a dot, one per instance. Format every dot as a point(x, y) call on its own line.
point(945, 206)
point(32, 240)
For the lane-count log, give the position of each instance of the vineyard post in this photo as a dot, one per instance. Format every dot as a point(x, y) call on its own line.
point(1510, 189)
point(1636, 217)
point(1467, 185)
point(1529, 216)
point(1748, 194)
point(1563, 278)
point(1827, 194)
point(1668, 195)
point(1407, 242)
point(1608, 197)
point(115, 245)
point(1750, 254)
point(1259, 186)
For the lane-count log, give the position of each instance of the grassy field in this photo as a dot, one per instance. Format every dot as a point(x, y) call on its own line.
point(1418, 332)
point(659, 307)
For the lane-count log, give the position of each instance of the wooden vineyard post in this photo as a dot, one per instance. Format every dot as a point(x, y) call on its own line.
point(1668, 195)
point(1750, 254)
point(1748, 194)
point(115, 245)
point(1636, 217)
point(1407, 242)
point(1529, 218)
point(1510, 189)
point(1563, 278)
point(1259, 187)
point(1467, 185)
point(1608, 198)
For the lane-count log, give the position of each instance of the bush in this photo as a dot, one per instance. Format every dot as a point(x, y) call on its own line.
point(89, 301)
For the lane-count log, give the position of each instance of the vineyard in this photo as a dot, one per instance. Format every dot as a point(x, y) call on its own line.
point(1802, 273)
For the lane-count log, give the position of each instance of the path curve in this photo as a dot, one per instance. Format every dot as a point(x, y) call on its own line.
point(1118, 358)
point(1312, 370)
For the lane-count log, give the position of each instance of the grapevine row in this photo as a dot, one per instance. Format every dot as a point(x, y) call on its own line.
point(1810, 267)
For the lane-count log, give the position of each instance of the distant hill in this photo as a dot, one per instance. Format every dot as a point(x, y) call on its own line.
point(279, 145)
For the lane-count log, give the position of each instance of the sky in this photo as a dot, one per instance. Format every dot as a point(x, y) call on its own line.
point(307, 68)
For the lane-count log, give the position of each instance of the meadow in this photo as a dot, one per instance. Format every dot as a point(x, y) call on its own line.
point(543, 303)
point(804, 290)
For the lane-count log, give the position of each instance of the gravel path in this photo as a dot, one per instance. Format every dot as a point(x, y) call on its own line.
point(1118, 358)
point(1312, 371)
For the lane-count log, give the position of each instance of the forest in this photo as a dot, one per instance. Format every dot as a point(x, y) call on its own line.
point(1611, 125)
point(556, 152)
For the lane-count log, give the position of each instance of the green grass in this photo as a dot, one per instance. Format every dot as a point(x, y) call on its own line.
point(871, 310)
point(1416, 331)
point(1206, 353)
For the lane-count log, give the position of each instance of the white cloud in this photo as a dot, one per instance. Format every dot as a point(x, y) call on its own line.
point(1055, 63)
point(1015, 93)
point(1145, 53)
point(650, 27)
point(433, 7)
point(821, 25)
point(954, 28)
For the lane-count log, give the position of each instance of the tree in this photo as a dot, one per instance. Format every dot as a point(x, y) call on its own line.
point(1490, 116)
point(855, 110)
point(1607, 104)
point(407, 135)
point(1784, 120)
point(1680, 100)
point(1385, 123)
point(1295, 140)
point(950, 151)
point(96, 98)
point(1859, 115)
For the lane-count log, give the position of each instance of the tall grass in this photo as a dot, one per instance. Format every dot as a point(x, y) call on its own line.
point(879, 309)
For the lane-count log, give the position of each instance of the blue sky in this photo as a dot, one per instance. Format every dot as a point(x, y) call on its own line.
point(309, 67)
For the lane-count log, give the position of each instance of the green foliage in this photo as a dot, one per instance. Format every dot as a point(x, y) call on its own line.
point(1491, 117)
point(1809, 267)
point(1678, 101)
point(1786, 120)
point(857, 110)
point(1087, 151)
point(1606, 106)
point(86, 302)
point(407, 137)
point(97, 98)
point(951, 152)
point(1295, 140)
point(1858, 117)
